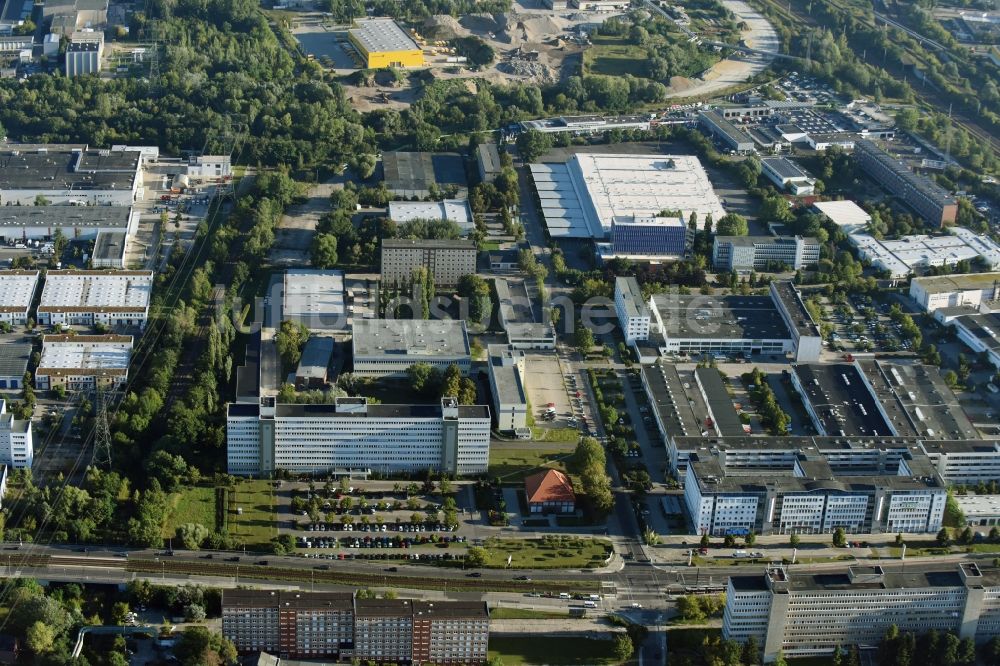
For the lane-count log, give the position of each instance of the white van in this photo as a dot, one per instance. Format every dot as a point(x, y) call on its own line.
point(589, 604)
point(564, 595)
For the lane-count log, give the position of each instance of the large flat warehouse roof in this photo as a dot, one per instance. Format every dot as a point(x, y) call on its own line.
point(314, 298)
point(963, 282)
point(840, 399)
point(17, 289)
point(581, 197)
point(71, 170)
point(730, 317)
point(65, 217)
point(410, 337)
point(95, 353)
point(89, 291)
point(380, 35)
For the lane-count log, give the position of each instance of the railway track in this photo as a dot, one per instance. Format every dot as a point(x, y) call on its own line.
point(933, 99)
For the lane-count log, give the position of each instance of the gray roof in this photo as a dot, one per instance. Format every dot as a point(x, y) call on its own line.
point(489, 157)
point(382, 34)
point(410, 337)
point(378, 411)
point(65, 217)
point(418, 171)
point(720, 404)
point(14, 357)
point(784, 167)
point(61, 169)
point(428, 244)
point(983, 327)
point(510, 389)
point(110, 245)
point(795, 307)
point(926, 186)
point(752, 241)
point(723, 126)
point(680, 409)
point(912, 576)
point(841, 399)
point(732, 317)
point(635, 306)
point(315, 357)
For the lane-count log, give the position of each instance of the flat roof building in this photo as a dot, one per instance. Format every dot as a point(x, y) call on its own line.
point(981, 333)
point(809, 494)
point(847, 215)
point(314, 298)
point(633, 315)
point(82, 362)
point(729, 136)
point(948, 291)
point(75, 222)
point(388, 347)
point(587, 124)
point(980, 510)
point(16, 443)
point(679, 408)
point(86, 298)
point(787, 175)
point(910, 254)
point(453, 210)
point(921, 194)
point(447, 260)
point(808, 342)
point(67, 176)
point(410, 174)
point(14, 358)
point(109, 250)
point(312, 369)
point(719, 325)
point(17, 291)
point(311, 625)
point(839, 401)
point(520, 318)
point(506, 368)
point(382, 43)
point(352, 435)
point(744, 254)
point(802, 613)
point(83, 53)
point(582, 196)
point(722, 415)
point(650, 238)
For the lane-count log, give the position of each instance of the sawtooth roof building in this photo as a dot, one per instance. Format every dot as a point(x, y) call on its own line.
point(85, 298)
point(17, 291)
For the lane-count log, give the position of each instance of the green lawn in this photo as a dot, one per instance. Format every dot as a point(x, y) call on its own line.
point(611, 56)
point(542, 434)
point(190, 505)
point(525, 614)
point(512, 464)
point(563, 552)
point(552, 650)
point(257, 524)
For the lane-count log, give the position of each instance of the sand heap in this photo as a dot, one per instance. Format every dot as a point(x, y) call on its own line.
point(442, 27)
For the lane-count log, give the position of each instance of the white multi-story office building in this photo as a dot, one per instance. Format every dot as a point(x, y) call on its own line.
point(510, 400)
point(388, 347)
point(86, 298)
point(16, 447)
point(812, 495)
point(353, 435)
point(633, 315)
point(210, 166)
point(801, 613)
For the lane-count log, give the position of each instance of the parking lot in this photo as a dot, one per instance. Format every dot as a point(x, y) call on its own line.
point(547, 390)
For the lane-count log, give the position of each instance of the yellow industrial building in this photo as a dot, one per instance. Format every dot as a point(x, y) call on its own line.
point(382, 43)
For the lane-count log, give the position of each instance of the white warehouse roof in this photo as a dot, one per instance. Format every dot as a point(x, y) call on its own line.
point(581, 197)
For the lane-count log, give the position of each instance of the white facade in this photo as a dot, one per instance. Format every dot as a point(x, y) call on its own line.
point(914, 511)
point(17, 289)
point(633, 315)
point(210, 166)
point(83, 54)
point(81, 362)
point(947, 291)
point(908, 254)
point(802, 614)
point(965, 462)
point(314, 439)
point(847, 215)
point(388, 347)
point(86, 298)
point(507, 375)
point(16, 449)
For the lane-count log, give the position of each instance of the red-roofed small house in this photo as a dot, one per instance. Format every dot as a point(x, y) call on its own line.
point(549, 492)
